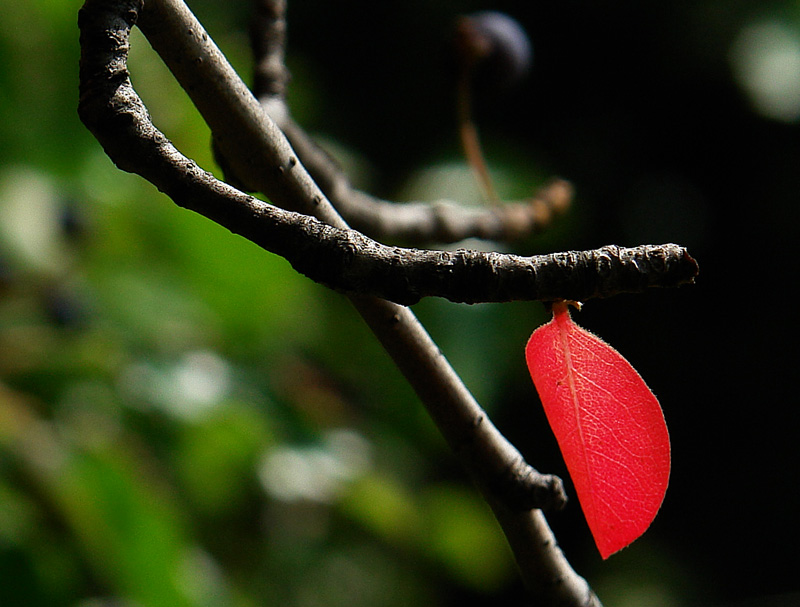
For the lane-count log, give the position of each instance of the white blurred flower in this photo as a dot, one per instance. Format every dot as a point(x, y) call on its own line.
point(316, 473)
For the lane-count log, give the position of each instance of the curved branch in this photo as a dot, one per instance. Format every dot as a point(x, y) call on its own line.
point(420, 223)
point(112, 110)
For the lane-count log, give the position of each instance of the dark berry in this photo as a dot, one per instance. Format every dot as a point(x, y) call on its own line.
point(495, 47)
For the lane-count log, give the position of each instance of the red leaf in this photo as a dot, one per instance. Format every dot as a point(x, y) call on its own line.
point(609, 427)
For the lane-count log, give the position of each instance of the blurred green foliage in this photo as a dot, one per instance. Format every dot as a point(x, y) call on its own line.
point(178, 424)
point(186, 421)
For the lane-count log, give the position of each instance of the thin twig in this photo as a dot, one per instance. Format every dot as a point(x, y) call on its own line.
point(421, 223)
point(411, 223)
point(468, 131)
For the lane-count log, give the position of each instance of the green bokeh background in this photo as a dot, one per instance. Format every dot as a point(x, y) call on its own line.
point(186, 421)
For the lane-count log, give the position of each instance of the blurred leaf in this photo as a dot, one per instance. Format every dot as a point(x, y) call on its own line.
point(127, 525)
point(386, 509)
point(216, 457)
point(465, 538)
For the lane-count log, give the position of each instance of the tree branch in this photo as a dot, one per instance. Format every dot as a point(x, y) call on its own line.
point(412, 223)
point(338, 257)
point(420, 223)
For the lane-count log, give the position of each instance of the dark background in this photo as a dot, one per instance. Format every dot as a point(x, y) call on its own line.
point(637, 103)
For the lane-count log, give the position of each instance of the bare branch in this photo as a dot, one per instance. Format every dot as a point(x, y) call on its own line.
point(349, 261)
point(345, 259)
point(413, 223)
point(421, 223)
